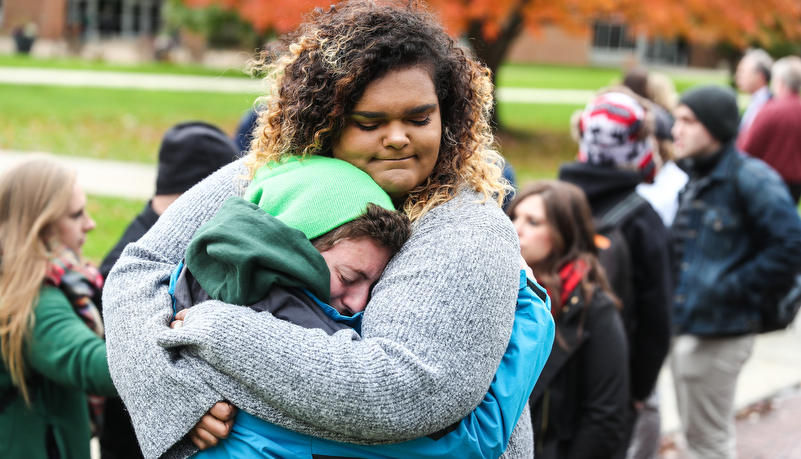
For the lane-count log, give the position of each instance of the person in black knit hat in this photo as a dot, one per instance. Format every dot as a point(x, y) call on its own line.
point(189, 152)
point(736, 238)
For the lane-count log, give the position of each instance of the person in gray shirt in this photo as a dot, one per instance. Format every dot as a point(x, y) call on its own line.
point(413, 113)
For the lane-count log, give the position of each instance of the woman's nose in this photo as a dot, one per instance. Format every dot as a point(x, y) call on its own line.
point(396, 137)
point(90, 224)
point(518, 226)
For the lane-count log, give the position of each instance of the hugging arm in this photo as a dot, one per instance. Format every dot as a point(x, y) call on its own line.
point(433, 335)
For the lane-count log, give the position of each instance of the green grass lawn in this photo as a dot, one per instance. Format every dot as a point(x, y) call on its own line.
point(567, 77)
point(112, 216)
point(106, 123)
point(128, 124)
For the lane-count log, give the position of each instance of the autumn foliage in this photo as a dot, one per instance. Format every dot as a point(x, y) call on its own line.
point(738, 22)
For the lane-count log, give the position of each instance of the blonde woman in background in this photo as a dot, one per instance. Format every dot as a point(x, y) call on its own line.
point(50, 331)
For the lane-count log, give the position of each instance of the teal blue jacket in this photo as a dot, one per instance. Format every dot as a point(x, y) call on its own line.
point(484, 433)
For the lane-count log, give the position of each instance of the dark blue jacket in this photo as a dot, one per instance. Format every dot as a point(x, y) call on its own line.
point(737, 237)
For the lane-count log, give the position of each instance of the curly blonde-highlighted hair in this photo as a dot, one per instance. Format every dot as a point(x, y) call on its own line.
point(34, 195)
point(322, 69)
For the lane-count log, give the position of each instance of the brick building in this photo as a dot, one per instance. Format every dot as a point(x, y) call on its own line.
point(64, 19)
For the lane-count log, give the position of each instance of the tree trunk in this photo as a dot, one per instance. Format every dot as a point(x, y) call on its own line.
point(493, 53)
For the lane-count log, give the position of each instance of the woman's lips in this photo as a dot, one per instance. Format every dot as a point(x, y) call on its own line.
point(394, 160)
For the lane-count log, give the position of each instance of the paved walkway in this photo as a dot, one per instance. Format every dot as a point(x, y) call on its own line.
point(157, 82)
point(101, 177)
point(162, 82)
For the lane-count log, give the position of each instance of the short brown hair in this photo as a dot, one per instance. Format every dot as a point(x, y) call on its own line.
point(388, 228)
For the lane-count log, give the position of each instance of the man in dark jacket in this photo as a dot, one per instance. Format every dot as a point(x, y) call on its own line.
point(615, 155)
point(736, 238)
point(189, 153)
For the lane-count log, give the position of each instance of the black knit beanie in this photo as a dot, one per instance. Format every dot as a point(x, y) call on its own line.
point(189, 153)
point(716, 108)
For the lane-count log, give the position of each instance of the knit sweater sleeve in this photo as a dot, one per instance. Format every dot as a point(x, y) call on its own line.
point(166, 396)
point(432, 337)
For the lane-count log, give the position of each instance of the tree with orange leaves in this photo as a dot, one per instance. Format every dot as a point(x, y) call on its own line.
point(492, 25)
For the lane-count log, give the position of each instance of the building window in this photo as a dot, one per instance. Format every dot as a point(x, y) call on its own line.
point(611, 36)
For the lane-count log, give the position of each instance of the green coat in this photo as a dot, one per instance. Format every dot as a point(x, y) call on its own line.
point(72, 362)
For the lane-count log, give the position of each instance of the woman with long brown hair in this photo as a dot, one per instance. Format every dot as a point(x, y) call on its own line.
point(578, 404)
point(50, 331)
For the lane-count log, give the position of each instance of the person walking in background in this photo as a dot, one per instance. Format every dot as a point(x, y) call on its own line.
point(51, 335)
point(663, 193)
point(775, 135)
point(753, 77)
point(616, 153)
point(736, 237)
point(579, 404)
point(189, 152)
point(644, 84)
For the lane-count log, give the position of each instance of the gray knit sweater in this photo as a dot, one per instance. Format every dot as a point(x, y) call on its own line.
point(432, 336)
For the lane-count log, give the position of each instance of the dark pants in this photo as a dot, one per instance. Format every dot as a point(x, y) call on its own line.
point(117, 439)
point(628, 431)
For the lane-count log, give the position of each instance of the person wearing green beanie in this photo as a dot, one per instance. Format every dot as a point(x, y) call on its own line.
point(273, 250)
point(273, 243)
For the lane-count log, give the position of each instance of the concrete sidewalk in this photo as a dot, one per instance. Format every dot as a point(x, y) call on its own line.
point(101, 177)
point(774, 366)
point(165, 82)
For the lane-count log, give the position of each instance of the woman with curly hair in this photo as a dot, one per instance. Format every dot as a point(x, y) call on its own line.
point(381, 86)
point(579, 403)
point(53, 352)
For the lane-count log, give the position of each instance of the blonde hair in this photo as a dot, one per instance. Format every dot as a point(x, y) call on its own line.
point(323, 68)
point(34, 195)
point(663, 91)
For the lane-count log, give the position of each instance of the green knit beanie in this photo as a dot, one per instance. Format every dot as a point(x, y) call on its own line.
point(316, 194)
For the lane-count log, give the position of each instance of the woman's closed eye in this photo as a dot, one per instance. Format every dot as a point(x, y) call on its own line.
point(421, 122)
point(373, 125)
point(367, 127)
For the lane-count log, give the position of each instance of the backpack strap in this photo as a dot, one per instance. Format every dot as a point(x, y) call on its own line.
point(620, 212)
